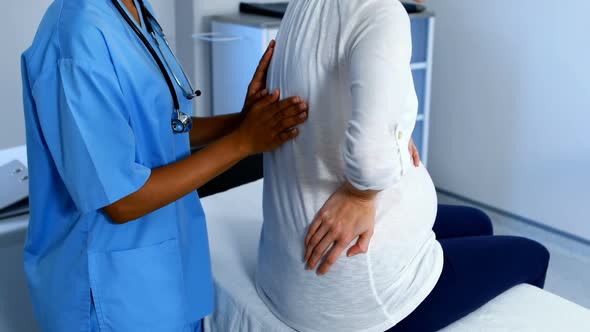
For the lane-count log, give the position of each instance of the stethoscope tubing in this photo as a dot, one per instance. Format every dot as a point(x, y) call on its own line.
point(150, 49)
point(191, 93)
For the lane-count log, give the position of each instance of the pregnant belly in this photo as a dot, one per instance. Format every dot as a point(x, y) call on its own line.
point(405, 217)
point(410, 204)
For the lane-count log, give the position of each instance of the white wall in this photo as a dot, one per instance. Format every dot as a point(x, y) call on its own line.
point(511, 107)
point(19, 22)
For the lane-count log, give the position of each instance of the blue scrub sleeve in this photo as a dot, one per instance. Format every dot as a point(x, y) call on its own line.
point(94, 145)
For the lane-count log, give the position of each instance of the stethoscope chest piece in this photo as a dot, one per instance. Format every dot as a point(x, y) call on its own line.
point(181, 122)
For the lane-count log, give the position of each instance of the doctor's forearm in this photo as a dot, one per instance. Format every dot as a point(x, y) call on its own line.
point(172, 182)
point(267, 125)
point(208, 130)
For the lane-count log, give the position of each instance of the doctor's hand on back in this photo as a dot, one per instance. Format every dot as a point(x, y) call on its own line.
point(269, 122)
point(265, 123)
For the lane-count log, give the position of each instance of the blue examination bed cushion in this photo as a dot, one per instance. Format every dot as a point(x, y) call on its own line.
point(234, 219)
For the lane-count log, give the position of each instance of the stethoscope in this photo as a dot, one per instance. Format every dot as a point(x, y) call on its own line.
point(181, 122)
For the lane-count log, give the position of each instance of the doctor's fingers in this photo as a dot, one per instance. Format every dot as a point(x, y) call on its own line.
point(264, 102)
point(286, 136)
point(258, 97)
point(289, 108)
point(259, 79)
point(255, 98)
point(276, 110)
point(293, 116)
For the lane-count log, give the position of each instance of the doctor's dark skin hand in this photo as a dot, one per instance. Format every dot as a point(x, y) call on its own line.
point(265, 123)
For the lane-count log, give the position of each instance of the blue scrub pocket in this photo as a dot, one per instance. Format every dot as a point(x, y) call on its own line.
point(139, 289)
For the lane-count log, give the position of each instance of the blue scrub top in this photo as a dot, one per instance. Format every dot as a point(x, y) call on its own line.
point(98, 114)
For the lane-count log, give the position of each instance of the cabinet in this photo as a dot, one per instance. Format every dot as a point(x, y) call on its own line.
point(240, 40)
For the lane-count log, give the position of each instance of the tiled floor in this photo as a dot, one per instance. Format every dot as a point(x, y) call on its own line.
point(569, 268)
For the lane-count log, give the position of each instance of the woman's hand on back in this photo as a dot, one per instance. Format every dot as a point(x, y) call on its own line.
point(348, 214)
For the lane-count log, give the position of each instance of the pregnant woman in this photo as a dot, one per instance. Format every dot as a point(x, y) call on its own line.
point(344, 199)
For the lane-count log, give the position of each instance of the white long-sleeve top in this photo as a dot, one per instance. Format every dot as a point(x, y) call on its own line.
point(350, 59)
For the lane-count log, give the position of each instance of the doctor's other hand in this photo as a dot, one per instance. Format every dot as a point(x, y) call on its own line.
point(258, 83)
point(348, 214)
point(269, 123)
point(414, 153)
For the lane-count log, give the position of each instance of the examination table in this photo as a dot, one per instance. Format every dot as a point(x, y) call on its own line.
point(234, 219)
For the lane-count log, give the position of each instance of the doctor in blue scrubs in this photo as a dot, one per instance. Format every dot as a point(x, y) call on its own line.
point(117, 239)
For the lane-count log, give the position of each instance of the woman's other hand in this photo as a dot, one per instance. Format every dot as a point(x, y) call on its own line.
point(348, 214)
point(258, 83)
point(414, 153)
point(269, 123)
